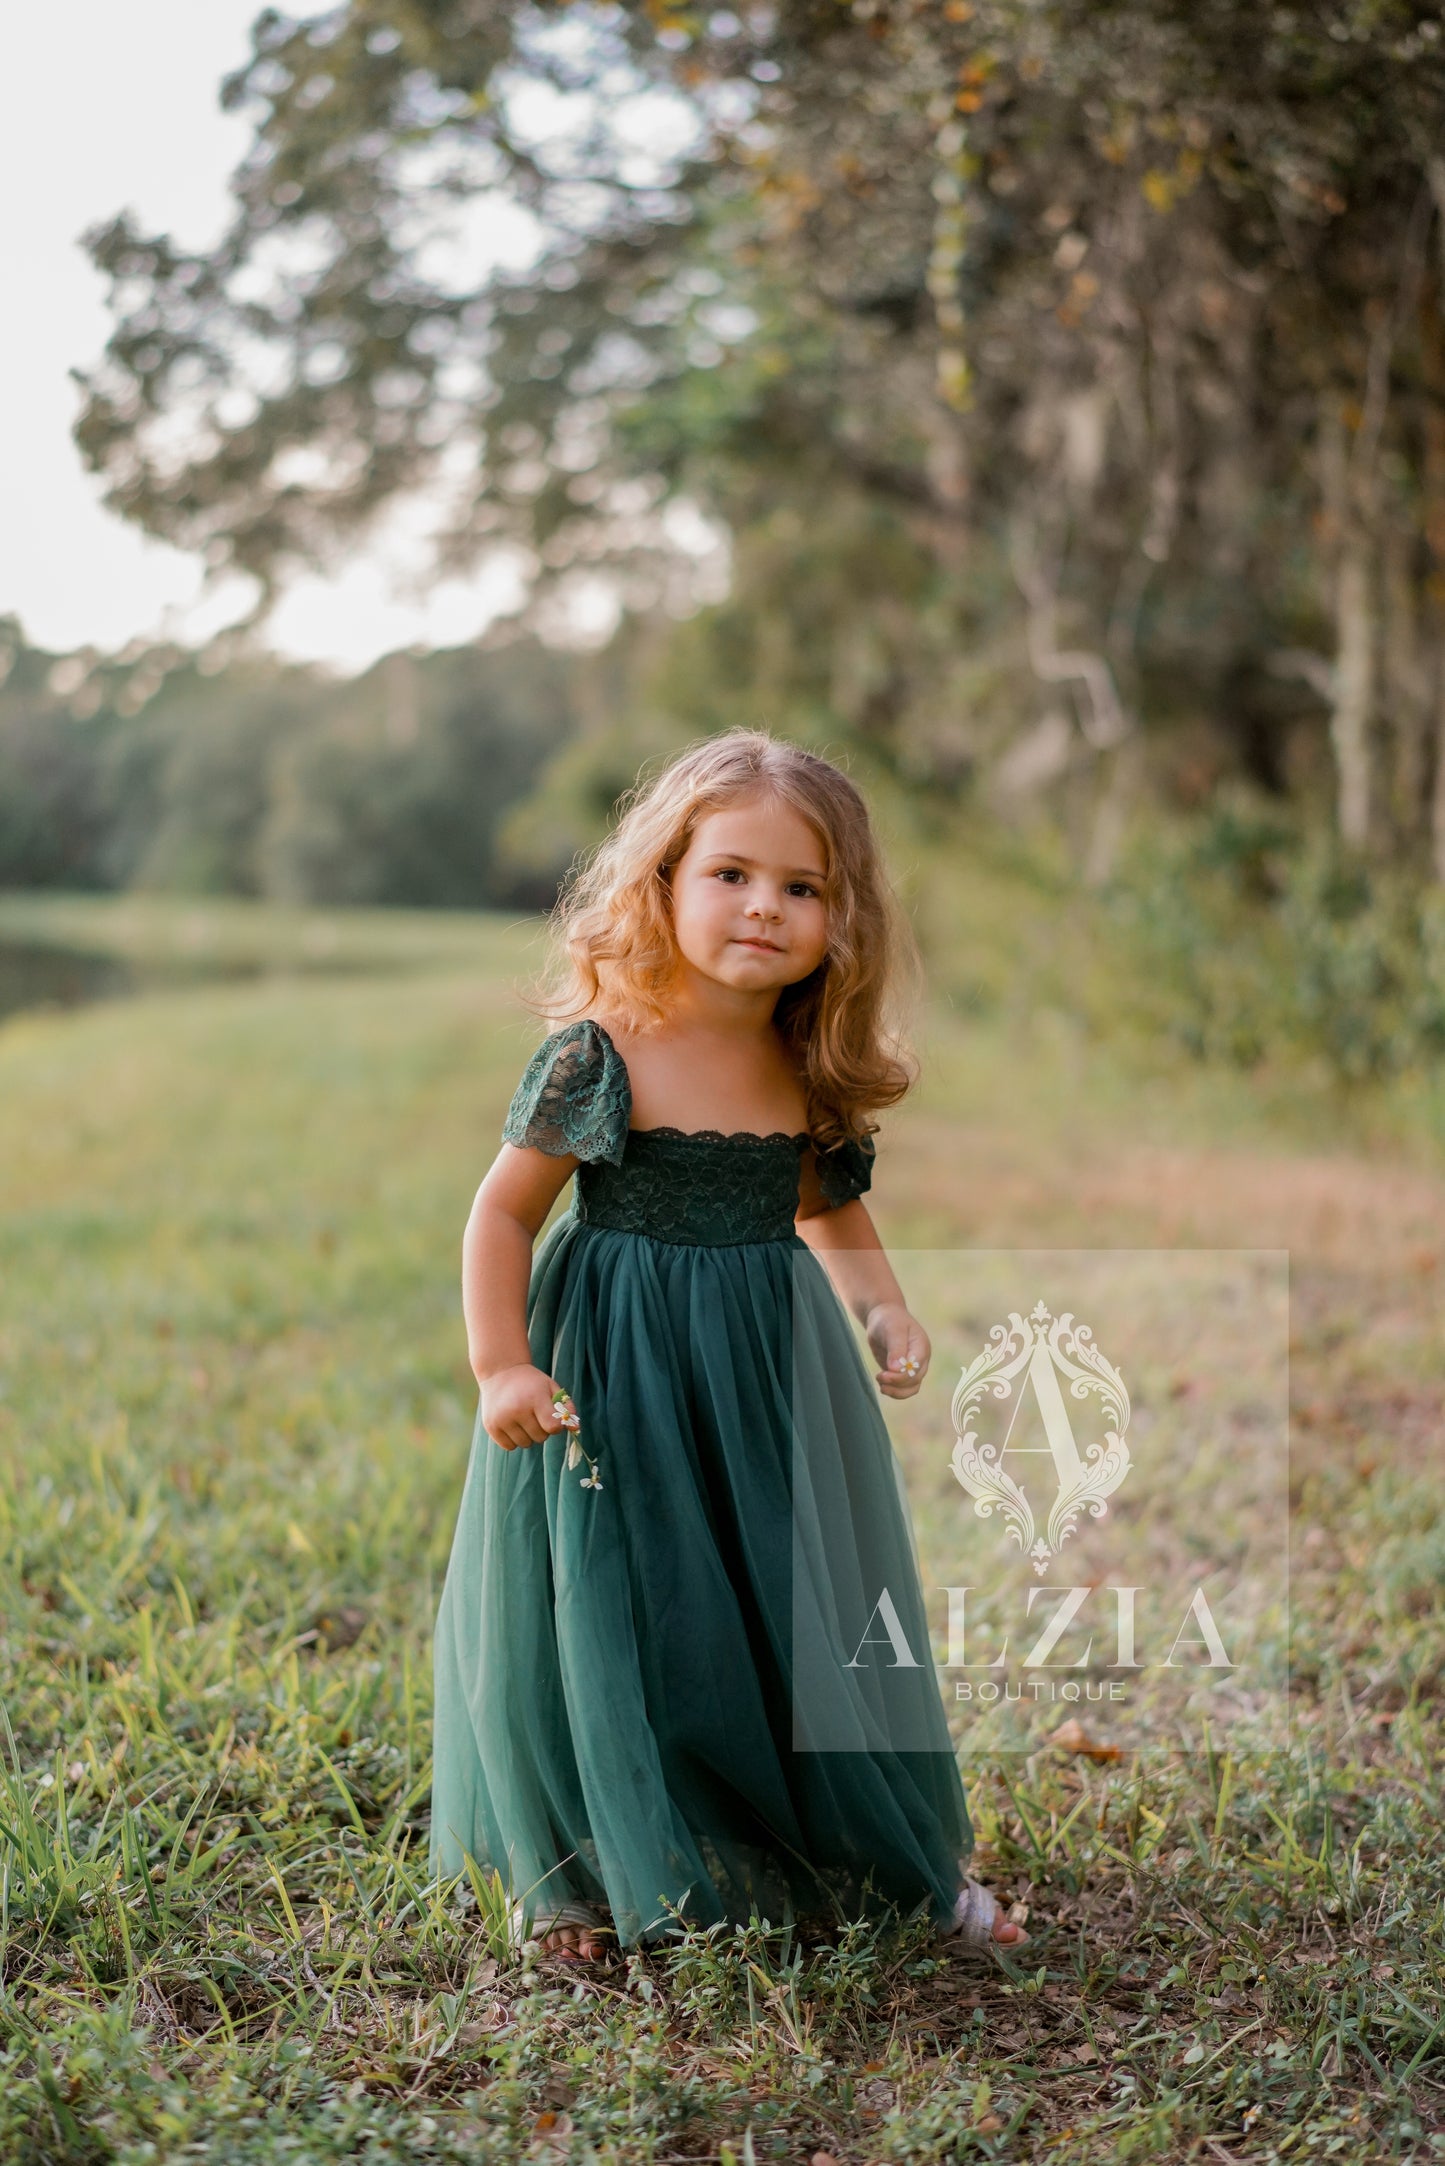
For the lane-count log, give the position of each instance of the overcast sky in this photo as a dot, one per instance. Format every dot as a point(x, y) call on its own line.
point(104, 107)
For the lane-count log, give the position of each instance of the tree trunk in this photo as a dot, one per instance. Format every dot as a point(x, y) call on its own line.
point(1437, 822)
point(1408, 694)
point(403, 709)
point(1353, 715)
point(1111, 818)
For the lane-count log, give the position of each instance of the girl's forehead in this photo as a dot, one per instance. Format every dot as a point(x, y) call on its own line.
point(739, 826)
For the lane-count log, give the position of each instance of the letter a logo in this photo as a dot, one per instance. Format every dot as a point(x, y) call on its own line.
point(1038, 1352)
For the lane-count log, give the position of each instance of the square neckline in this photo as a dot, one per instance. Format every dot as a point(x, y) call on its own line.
point(695, 1135)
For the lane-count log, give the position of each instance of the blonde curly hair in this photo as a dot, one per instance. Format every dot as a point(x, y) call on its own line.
point(613, 944)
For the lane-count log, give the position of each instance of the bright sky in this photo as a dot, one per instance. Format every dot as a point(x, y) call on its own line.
point(103, 108)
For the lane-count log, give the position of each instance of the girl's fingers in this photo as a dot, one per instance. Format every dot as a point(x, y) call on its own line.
point(518, 1439)
point(549, 1413)
point(543, 1419)
point(911, 1359)
point(547, 1418)
point(517, 1435)
point(904, 1370)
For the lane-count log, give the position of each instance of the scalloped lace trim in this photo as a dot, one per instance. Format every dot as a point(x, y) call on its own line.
point(718, 1135)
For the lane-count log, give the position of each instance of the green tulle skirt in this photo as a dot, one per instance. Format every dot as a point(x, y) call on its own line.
point(627, 1678)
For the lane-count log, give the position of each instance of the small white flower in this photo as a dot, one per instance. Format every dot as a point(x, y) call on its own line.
point(576, 1451)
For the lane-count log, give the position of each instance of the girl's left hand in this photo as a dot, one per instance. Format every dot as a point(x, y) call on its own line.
point(901, 1348)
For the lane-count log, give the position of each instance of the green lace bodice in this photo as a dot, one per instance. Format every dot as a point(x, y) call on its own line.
point(674, 1184)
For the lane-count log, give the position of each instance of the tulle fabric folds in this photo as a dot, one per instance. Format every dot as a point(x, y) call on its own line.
point(617, 1692)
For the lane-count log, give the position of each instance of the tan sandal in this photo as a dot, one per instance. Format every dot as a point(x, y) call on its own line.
point(973, 1921)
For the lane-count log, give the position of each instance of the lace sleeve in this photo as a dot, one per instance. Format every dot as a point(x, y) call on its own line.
point(573, 1097)
point(846, 1171)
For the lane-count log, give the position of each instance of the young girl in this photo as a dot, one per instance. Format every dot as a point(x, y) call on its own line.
point(646, 1564)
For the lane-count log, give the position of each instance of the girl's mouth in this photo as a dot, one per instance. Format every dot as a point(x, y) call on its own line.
point(769, 946)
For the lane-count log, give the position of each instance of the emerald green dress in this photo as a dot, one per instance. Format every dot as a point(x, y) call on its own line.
point(632, 1681)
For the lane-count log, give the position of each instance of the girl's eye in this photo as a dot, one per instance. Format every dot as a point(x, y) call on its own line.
point(725, 872)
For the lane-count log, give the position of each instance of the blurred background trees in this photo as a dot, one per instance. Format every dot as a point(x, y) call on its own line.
point(274, 781)
point(1063, 382)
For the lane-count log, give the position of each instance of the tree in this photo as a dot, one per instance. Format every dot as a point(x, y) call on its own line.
point(1115, 324)
point(147, 770)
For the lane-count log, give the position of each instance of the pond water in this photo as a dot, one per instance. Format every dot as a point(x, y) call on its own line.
point(34, 975)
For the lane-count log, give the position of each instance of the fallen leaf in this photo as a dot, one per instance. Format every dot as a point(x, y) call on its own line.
point(1071, 1736)
point(339, 1628)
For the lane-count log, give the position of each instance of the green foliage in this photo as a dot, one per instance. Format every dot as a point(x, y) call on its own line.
point(1253, 940)
point(263, 780)
point(1047, 365)
point(1367, 949)
point(1138, 301)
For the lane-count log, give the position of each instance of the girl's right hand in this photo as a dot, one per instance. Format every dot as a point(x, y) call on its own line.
point(517, 1407)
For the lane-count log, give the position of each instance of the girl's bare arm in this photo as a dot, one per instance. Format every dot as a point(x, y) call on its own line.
point(845, 1240)
point(507, 1214)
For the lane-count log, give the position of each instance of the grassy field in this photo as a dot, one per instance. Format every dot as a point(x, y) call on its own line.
point(234, 1412)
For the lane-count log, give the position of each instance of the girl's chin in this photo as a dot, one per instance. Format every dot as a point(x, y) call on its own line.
point(744, 968)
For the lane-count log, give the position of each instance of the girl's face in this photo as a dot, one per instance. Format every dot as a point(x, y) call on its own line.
point(748, 896)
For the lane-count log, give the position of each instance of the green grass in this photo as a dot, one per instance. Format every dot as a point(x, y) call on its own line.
point(221, 933)
point(234, 1411)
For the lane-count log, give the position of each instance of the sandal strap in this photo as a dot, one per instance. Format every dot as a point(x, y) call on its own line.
point(548, 1915)
point(973, 1915)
